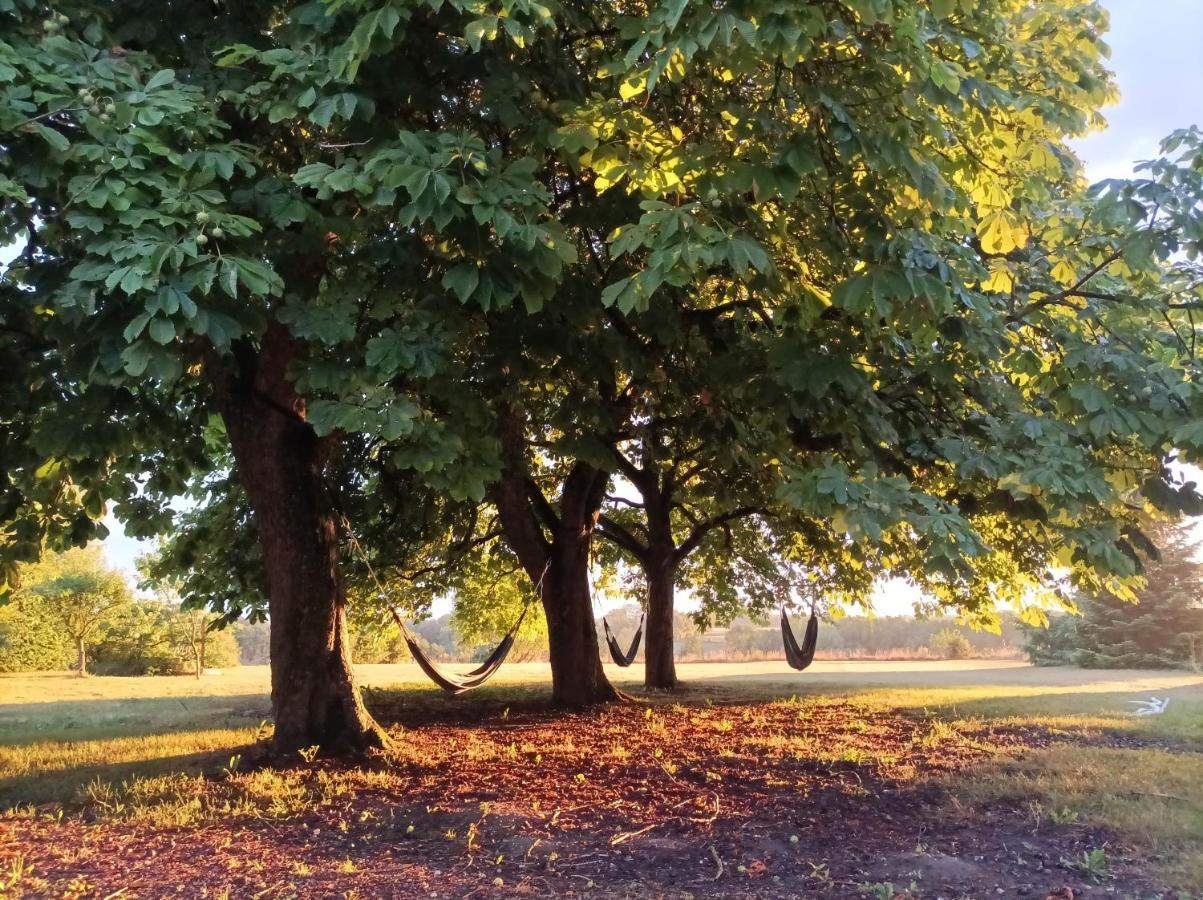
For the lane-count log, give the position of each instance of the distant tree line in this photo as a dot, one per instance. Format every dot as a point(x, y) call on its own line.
point(1164, 629)
point(73, 612)
point(852, 637)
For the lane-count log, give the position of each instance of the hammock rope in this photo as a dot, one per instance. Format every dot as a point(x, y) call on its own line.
point(452, 684)
point(623, 658)
point(799, 657)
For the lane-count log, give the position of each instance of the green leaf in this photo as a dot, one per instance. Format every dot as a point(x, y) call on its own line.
point(135, 327)
point(462, 280)
point(160, 79)
point(482, 29)
point(162, 331)
point(136, 357)
point(53, 138)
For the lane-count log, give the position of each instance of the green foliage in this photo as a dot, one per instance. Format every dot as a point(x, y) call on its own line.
point(80, 594)
point(71, 597)
point(1054, 643)
point(150, 637)
point(1162, 628)
point(950, 643)
point(841, 248)
point(491, 595)
point(136, 640)
point(31, 639)
point(254, 642)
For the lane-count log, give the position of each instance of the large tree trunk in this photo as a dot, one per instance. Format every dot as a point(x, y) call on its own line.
point(559, 567)
point(659, 665)
point(577, 677)
point(279, 461)
point(81, 658)
point(659, 562)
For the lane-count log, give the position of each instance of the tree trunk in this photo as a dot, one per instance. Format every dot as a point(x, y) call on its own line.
point(81, 658)
point(660, 570)
point(279, 460)
point(559, 567)
point(659, 665)
point(577, 677)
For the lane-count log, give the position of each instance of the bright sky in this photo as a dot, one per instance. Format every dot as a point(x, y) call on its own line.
point(1159, 68)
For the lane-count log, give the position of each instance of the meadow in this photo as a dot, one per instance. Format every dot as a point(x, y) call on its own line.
point(876, 779)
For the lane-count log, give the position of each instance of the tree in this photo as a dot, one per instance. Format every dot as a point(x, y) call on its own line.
point(386, 252)
point(950, 643)
point(190, 628)
point(741, 636)
point(490, 598)
point(1162, 627)
point(187, 285)
point(139, 639)
point(81, 594)
point(685, 493)
point(1052, 643)
point(253, 643)
point(935, 354)
point(31, 640)
point(204, 645)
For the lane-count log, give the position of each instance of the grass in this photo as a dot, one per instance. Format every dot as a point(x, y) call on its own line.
point(1152, 797)
point(135, 749)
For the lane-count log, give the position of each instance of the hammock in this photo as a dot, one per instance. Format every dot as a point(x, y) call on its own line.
point(800, 657)
point(458, 684)
point(617, 654)
point(452, 684)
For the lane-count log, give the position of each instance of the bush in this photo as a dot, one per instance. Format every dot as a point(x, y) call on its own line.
point(137, 640)
point(950, 643)
point(31, 639)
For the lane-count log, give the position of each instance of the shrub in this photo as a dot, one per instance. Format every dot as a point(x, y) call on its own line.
point(950, 643)
point(31, 639)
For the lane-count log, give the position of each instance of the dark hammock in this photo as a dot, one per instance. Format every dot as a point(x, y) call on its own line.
point(800, 657)
point(617, 654)
point(453, 684)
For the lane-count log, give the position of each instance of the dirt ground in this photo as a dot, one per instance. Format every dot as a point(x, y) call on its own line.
point(703, 796)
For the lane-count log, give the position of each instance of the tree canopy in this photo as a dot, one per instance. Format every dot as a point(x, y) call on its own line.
point(441, 265)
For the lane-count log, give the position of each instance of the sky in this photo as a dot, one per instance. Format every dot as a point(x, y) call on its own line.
point(1158, 66)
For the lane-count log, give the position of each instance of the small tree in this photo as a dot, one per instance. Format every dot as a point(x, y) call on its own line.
point(81, 594)
point(950, 643)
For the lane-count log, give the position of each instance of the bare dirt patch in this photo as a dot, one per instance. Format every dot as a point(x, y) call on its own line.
point(815, 798)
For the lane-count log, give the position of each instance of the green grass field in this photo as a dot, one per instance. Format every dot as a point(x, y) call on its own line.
point(76, 744)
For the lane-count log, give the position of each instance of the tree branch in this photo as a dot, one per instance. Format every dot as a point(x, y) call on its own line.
point(619, 535)
point(704, 527)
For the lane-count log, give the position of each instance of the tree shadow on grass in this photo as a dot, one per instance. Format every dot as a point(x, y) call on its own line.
point(81, 720)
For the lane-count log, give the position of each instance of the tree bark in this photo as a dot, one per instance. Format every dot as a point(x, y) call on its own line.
point(659, 563)
point(279, 461)
point(558, 567)
point(81, 658)
point(577, 677)
point(659, 663)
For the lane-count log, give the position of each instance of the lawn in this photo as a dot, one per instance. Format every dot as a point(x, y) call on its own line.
point(853, 779)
